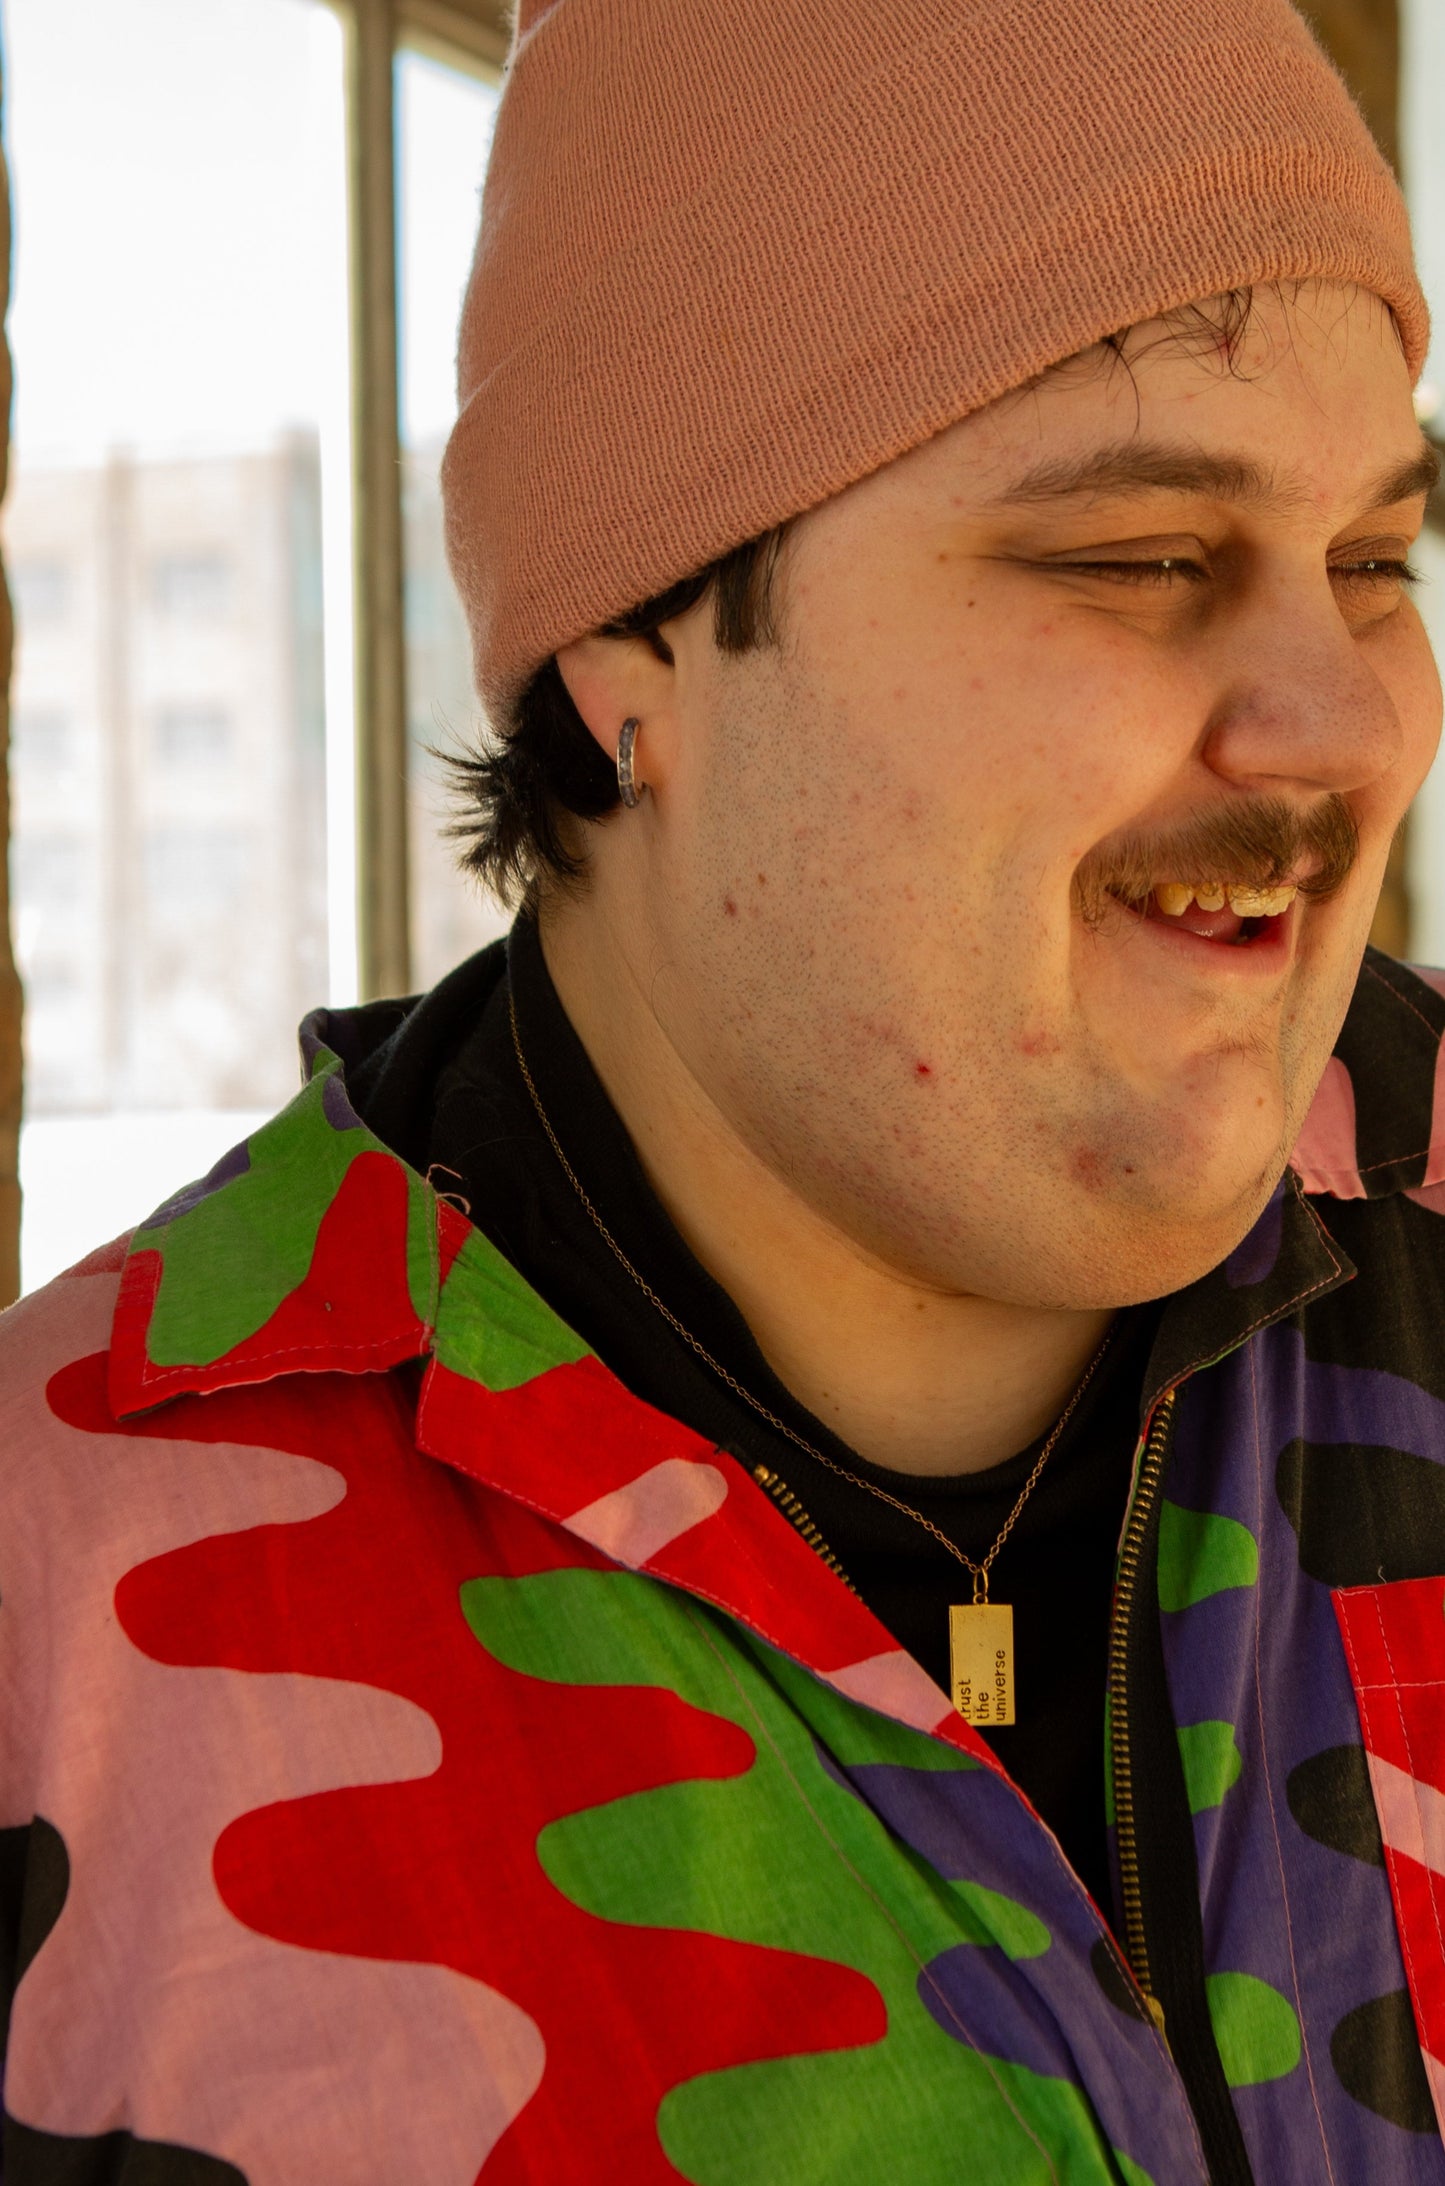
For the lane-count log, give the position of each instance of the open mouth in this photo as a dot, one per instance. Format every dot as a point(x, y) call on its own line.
point(1226, 914)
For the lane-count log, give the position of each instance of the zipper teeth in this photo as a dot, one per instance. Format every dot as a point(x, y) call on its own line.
point(1125, 1834)
point(792, 1509)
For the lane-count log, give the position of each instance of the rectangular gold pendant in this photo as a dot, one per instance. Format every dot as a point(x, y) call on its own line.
point(981, 1662)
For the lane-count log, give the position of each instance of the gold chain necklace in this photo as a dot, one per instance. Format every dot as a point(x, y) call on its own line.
point(980, 1632)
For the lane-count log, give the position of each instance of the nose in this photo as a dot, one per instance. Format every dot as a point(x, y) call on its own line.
point(1302, 708)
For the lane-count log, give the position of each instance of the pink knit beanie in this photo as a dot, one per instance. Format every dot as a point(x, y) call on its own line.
point(734, 258)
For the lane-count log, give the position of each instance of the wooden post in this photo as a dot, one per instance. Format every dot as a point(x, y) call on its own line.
point(383, 937)
point(11, 1062)
point(1362, 38)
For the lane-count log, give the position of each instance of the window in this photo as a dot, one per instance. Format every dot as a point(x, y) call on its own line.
point(193, 872)
point(183, 520)
point(179, 177)
point(445, 128)
point(42, 739)
point(193, 736)
point(50, 873)
point(191, 587)
point(40, 591)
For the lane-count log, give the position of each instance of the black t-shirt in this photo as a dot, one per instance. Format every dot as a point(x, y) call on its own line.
point(445, 1092)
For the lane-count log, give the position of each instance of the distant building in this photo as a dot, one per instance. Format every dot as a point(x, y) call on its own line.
point(168, 773)
point(449, 916)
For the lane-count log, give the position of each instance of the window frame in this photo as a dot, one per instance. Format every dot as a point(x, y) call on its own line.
point(471, 36)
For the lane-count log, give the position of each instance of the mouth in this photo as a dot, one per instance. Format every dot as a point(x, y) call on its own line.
point(1219, 914)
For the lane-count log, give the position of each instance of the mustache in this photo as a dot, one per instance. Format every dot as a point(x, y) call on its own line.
point(1259, 844)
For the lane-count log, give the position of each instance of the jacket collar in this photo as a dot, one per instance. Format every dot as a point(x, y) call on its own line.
point(312, 1248)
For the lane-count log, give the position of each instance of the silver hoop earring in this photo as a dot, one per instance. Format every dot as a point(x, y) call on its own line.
point(628, 787)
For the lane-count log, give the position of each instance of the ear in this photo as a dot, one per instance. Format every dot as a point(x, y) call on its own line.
point(611, 680)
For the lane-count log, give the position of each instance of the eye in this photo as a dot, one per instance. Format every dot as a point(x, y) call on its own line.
point(1376, 570)
point(1167, 569)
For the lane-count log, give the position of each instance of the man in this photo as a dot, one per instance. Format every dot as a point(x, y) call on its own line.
point(795, 1531)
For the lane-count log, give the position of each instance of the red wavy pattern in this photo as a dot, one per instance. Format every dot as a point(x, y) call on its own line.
point(444, 1870)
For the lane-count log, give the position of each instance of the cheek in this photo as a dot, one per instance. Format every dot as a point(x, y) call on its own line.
point(1418, 701)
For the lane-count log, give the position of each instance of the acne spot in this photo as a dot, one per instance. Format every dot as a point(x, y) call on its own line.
point(1088, 1168)
point(1038, 1043)
point(762, 880)
point(923, 1070)
point(730, 907)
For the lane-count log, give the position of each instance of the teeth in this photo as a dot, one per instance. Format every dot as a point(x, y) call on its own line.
point(1173, 898)
point(1261, 902)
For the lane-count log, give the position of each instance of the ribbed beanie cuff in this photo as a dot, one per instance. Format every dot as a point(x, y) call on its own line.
point(732, 260)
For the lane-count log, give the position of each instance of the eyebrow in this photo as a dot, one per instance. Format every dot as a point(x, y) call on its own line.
point(1135, 466)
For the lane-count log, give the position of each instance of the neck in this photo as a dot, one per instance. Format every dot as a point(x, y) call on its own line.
point(912, 1377)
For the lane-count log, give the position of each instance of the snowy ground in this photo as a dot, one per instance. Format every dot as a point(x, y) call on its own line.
point(84, 1179)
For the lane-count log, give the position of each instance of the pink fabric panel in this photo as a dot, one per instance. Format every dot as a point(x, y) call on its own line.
point(1325, 1154)
point(146, 1975)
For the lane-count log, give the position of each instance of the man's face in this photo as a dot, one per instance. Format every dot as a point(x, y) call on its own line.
point(1021, 664)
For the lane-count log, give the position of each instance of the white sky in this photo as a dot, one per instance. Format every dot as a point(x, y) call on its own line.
point(178, 169)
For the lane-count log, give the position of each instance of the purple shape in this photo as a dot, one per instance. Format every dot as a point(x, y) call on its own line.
point(975, 1994)
point(1313, 1921)
point(1047, 2012)
point(335, 1106)
point(1253, 1258)
point(232, 1164)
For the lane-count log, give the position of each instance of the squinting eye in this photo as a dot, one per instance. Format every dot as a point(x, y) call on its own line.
point(1167, 570)
point(1378, 570)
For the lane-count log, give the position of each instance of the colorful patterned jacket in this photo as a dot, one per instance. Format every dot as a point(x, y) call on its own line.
point(420, 1761)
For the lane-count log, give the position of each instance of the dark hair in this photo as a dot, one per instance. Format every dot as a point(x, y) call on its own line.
point(515, 796)
point(543, 768)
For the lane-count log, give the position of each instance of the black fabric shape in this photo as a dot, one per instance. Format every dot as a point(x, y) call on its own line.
point(1397, 1313)
point(34, 1884)
point(1330, 1797)
point(1392, 1013)
point(32, 2158)
point(1363, 1513)
point(1376, 2055)
point(1109, 1972)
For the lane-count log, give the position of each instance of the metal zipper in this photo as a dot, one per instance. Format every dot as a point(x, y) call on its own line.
point(1126, 1837)
point(792, 1509)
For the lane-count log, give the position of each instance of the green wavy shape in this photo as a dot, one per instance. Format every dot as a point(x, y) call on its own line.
point(1201, 1554)
point(1212, 1763)
point(785, 1857)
